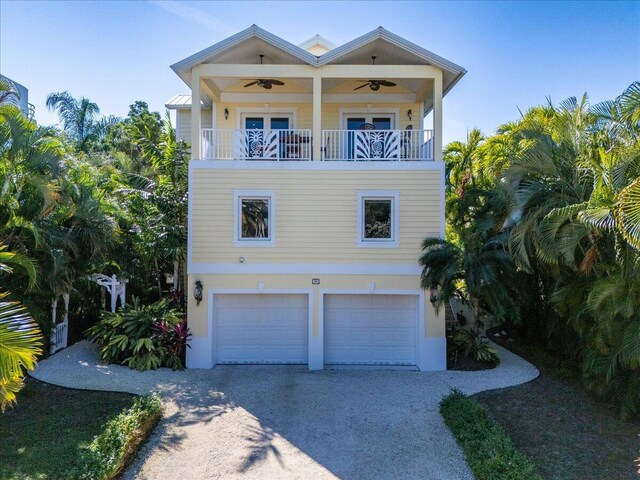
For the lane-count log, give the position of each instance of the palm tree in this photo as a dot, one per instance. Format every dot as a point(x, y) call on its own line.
point(8, 92)
point(482, 268)
point(20, 337)
point(80, 119)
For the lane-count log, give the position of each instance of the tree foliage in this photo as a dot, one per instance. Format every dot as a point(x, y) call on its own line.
point(559, 190)
point(102, 195)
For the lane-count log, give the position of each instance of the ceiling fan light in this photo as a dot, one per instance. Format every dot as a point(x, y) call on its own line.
point(375, 87)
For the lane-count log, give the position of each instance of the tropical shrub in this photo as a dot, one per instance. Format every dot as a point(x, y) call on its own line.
point(111, 450)
point(143, 337)
point(487, 448)
point(558, 191)
point(473, 344)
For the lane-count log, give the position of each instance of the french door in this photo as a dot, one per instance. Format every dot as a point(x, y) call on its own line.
point(262, 134)
point(365, 141)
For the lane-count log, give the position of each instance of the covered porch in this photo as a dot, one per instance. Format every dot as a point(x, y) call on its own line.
point(331, 113)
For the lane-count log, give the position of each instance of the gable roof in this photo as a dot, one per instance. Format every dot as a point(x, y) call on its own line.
point(317, 40)
point(346, 54)
point(233, 41)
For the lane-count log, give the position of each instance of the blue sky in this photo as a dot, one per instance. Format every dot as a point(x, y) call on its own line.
point(516, 53)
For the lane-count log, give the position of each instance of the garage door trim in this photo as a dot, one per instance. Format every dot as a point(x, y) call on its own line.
point(420, 327)
point(212, 323)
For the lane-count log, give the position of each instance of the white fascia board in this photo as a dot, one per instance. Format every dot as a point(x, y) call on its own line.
point(172, 104)
point(317, 40)
point(394, 39)
point(415, 165)
point(182, 67)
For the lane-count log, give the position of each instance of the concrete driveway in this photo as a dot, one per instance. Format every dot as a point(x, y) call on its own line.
point(287, 422)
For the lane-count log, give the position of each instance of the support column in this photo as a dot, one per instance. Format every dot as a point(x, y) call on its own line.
point(317, 117)
point(214, 115)
point(196, 115)
point(437, 118)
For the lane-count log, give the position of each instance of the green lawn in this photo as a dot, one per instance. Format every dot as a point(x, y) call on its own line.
point(565, 430)
point(41, 436)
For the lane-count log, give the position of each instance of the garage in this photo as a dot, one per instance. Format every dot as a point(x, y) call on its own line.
point(261, 328)
point(370, 329)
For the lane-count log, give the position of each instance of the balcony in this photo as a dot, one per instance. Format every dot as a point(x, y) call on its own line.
point(337, 145)
point(239, 144)
point(377, 145)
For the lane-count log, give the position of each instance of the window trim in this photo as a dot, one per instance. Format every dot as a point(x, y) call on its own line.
point(238, 196)
point(394, 241)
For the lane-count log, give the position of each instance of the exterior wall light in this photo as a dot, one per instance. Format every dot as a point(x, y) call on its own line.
point(197, 292)
point(410, 114)
point(226, 113)
point(433, 294)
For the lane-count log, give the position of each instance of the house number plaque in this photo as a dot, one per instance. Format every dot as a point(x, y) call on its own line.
point(315, 281)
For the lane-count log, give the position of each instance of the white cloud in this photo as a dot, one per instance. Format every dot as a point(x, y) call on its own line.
point(195, 15)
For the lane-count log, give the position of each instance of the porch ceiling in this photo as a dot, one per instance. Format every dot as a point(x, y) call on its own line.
point(329, 85)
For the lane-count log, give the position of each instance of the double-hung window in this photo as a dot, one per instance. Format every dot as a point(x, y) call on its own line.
point(254, 219)
point(378, 223)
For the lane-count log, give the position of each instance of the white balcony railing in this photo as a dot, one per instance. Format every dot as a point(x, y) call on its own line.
point(241, 144)
point(377, 145)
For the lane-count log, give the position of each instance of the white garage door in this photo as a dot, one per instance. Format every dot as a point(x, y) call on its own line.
point(370, 329)
point(265, 328)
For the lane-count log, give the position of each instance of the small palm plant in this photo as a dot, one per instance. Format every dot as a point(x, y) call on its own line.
point(20, 337)
point(481, 267)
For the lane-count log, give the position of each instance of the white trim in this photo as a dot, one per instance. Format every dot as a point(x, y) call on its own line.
point(234, 40)
point(423, 357)
point(443, 205)
point(394, 113)
point(394, 39)
point(369, 98)
point(190, 216)
point(238, 196)
point(316, 165)
point(211, 324)
point(203, 268)
point(394, 197)
point(317, 40)
point(266, 112)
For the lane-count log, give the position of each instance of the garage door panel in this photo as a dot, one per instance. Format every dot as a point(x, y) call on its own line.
point(261, 328)
point(370, 329)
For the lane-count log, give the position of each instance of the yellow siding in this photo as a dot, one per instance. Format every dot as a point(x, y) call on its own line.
point(183, 130)
point(304, 113)
point(331, 113)
point(315, 215)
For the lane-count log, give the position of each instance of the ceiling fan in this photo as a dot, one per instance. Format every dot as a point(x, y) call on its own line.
point(267, 83)
point(375, 84)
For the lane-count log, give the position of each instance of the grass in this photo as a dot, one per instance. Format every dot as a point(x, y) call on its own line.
point(489, 451)
point(42, 436)
point(567, 432)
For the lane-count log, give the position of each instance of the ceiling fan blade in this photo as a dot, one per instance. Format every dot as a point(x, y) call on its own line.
point(276, 82)
point(386, 83)
point(267, 85)
point(362, 86)
point(252, 83)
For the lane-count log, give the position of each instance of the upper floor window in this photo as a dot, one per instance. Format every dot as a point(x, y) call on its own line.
point(254, 217)
point(378, 219)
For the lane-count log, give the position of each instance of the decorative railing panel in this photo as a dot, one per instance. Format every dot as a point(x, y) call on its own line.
point(377, 145)
point(242, 144)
